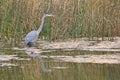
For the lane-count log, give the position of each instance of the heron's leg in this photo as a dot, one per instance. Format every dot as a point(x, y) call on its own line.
point(31, 44)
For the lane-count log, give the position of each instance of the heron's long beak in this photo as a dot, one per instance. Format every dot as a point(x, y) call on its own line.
point(51, 15)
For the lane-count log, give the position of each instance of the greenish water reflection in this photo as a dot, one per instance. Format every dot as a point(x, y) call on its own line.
point(30, 69)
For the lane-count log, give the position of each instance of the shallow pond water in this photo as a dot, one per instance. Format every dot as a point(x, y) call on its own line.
point(64, 65)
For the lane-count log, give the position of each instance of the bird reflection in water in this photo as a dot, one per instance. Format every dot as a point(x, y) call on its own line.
point(32, 52)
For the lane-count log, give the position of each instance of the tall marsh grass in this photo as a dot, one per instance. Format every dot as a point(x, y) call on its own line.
point(73, 19)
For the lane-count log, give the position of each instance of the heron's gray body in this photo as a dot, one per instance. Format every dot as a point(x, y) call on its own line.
point(32, 36)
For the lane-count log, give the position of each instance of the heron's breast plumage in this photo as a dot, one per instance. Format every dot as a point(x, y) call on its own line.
point(31, 37)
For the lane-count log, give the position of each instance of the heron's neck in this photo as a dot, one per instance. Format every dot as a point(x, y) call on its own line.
point(41, 25)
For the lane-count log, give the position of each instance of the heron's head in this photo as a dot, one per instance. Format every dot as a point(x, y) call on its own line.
point(48, 14)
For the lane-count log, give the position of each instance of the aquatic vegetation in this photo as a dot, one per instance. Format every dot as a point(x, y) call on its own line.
point(74, 19)
point(79, 43)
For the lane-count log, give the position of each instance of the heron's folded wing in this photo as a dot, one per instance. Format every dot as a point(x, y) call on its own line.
point(31, 37)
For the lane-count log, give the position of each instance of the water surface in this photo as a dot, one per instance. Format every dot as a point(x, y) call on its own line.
point(17, 65)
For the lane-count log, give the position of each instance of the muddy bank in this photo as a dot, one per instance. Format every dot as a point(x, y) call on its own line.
point(100, 59)
point(83, 44)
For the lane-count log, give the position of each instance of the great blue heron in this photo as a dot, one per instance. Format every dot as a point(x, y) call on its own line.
point(32, 36)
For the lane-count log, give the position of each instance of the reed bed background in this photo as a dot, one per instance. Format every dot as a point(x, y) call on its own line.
point(73, 19)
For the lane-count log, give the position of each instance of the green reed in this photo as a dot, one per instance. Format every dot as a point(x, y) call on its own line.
point(73, 19)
